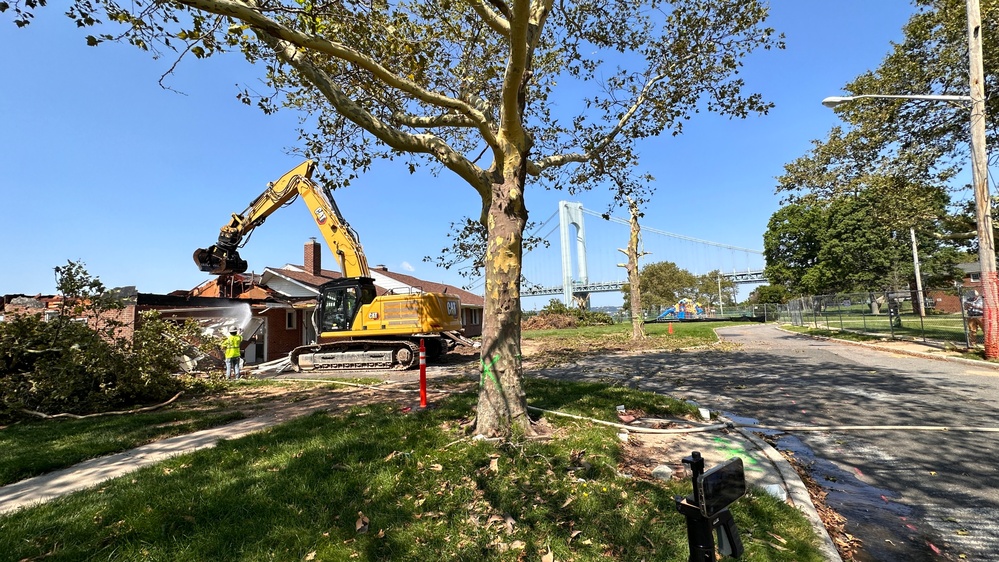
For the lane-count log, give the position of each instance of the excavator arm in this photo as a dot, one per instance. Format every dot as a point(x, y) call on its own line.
point(222, 258)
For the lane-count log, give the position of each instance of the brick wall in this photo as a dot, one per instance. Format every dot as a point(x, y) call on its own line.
point(280, 339)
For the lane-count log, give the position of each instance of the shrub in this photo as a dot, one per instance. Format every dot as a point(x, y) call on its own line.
point(556, 315)
point(78, 362)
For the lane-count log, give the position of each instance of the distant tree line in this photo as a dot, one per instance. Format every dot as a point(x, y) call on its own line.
point(664, 283)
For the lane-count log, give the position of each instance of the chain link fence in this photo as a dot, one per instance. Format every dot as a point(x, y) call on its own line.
point(951, 315)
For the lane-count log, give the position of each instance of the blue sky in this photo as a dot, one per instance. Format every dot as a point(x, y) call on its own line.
point(102, 164)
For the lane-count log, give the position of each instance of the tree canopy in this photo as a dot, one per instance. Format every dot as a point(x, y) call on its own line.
point(503, 94)
point(892, 166)
point(663, 284)
point(848, 244)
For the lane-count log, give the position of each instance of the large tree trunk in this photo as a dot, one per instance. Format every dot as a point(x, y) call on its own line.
point(634, 279)
point(502, 408)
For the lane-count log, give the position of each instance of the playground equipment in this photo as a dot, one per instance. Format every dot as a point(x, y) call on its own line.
point(684, 309)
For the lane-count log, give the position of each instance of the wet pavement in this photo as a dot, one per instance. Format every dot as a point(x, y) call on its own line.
point(908, 495)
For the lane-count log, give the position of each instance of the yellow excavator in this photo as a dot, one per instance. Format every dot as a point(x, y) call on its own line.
point(356, 328)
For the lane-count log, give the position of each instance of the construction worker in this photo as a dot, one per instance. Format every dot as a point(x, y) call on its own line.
point(232, 345)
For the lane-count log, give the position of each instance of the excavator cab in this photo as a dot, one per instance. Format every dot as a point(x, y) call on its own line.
point(339, 301)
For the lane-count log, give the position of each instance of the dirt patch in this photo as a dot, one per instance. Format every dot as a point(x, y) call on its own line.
point(287, 401)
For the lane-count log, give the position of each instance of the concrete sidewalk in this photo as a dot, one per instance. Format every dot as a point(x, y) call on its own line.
point(765, 468)
point(94, 471)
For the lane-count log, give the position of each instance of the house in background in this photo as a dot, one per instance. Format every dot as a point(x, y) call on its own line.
point(971, 284)
point(215, 314)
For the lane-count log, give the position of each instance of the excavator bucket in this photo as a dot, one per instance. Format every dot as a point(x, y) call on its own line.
point(217, 261)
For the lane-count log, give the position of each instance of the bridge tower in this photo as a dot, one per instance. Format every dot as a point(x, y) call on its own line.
point(571, 214)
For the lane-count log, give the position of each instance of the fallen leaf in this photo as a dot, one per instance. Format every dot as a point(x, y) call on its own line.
point(436, 467)
point(549, 557)
point(778, 537)
point(361, 526)
point(625, 418)
point(567, 502)
point(494, 463)
point(518, 545)
point(311, 555)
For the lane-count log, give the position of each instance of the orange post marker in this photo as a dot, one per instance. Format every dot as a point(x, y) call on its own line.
point(671, 328)
point(423, 375)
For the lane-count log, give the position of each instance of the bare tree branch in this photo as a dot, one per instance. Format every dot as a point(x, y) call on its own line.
point(499, 23)
point(115, 413)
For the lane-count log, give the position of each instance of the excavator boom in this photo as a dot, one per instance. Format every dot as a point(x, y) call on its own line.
point(222, 258)
point(356, 327)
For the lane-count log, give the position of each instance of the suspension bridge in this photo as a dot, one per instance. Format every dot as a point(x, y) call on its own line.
point(585, 258)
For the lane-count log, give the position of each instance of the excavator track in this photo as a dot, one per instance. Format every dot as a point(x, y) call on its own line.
point(354, 355)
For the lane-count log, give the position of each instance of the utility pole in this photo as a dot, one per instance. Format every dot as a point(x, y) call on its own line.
point(721, 302)
point(919, 277)
point(980, 172)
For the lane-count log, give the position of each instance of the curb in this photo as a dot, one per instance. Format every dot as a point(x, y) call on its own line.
point(796, 491)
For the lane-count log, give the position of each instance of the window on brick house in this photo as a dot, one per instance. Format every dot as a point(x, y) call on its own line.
point(291, 320)
point(975, 277)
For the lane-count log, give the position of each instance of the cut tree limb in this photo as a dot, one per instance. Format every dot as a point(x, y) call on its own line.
point(116, 413)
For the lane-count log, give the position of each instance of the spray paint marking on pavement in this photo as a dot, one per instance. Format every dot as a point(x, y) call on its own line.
point(734, 449)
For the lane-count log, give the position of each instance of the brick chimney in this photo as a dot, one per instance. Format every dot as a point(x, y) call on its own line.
point(313, 259)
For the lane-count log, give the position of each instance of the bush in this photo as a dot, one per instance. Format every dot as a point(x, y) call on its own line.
point(78, 362)
point(556, 315)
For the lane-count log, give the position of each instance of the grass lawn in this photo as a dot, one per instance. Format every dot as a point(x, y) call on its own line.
point(554, 346)
point(943, 327)
point(39, 446)
point(380, 484)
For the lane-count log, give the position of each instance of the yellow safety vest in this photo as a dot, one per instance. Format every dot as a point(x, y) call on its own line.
point(232, 344)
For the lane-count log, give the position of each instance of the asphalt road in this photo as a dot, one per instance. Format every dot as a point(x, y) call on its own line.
point(908, 495)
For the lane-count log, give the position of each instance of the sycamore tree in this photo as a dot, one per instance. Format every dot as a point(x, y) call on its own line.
point(504, 95)
point(634, 253)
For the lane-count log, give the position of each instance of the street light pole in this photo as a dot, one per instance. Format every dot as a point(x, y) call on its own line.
point(979, 172)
